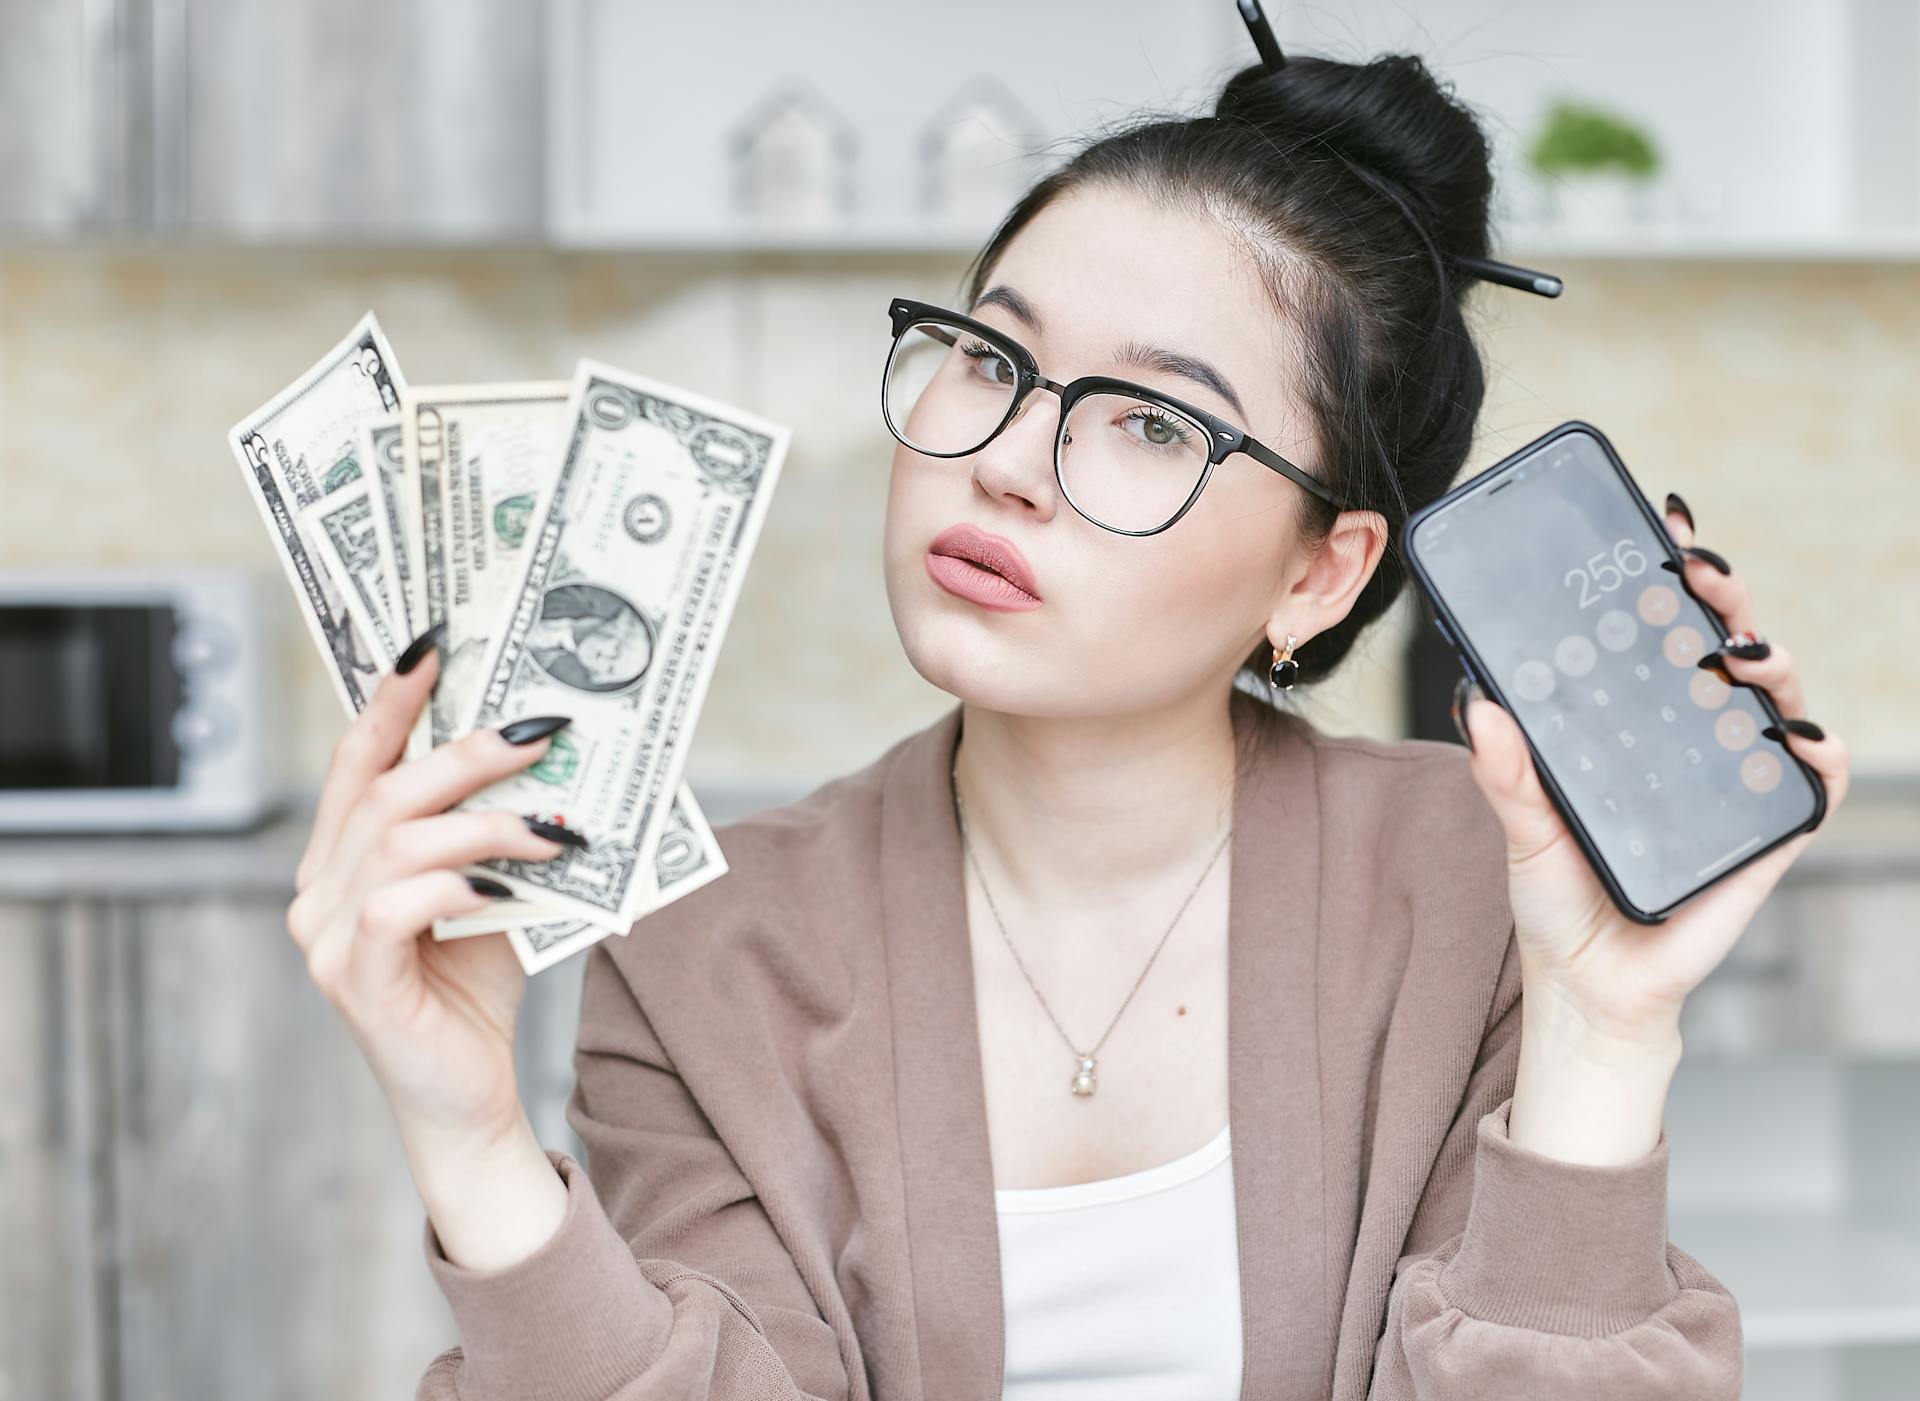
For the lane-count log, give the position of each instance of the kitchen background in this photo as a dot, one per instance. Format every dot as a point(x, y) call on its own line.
point(200, 1191)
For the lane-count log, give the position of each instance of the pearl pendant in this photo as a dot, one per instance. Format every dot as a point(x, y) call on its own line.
point(1083, 1083)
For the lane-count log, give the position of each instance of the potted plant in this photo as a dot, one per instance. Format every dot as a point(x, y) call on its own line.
point(1594, 164)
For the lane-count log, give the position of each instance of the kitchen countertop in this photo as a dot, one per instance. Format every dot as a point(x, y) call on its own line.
point(258, 862)
point(1875, 836)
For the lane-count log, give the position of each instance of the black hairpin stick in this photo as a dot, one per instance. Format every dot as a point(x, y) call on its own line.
point(1263, 39)
point(1544, 284)
point(1526, 279)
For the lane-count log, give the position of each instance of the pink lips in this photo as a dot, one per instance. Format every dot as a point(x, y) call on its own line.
point(983, 568)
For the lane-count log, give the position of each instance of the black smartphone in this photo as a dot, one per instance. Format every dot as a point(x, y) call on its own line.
point(1556, 582)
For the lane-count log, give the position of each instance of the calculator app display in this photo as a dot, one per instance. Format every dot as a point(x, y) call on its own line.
point(1555, 582)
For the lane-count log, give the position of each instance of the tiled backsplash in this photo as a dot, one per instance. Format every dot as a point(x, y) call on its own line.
point(1776, 397)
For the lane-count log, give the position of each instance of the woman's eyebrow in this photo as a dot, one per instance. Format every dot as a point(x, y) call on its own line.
point(1005, 296)
point(1131, 354)
point(1136, 355)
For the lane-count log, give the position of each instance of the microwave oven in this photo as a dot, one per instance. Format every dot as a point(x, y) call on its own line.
point(134, 700)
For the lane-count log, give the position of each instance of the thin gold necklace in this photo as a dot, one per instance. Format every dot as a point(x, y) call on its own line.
point(1084, 1080)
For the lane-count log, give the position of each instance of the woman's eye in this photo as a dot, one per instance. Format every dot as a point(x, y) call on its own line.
point(994, 361)
point(1159, 430)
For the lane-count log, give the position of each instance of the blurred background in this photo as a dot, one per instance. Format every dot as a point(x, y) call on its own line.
point(201, 1194)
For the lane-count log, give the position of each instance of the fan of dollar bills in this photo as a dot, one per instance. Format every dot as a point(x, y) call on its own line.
point(582, 542)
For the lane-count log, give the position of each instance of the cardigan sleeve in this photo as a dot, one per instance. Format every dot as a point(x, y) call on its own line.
point(665, 1278)
point(1529, 1275)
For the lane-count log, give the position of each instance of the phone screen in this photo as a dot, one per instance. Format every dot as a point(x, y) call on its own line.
point(1551, 572)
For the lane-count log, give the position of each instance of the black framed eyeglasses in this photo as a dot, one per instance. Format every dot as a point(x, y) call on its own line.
point(1129, 458)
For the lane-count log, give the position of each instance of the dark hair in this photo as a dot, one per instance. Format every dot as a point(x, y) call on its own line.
point(1356, 181)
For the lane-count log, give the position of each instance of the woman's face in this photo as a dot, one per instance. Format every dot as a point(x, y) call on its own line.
point(1125, 623)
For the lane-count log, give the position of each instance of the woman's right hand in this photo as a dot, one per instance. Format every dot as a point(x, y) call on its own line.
point(435, 1018)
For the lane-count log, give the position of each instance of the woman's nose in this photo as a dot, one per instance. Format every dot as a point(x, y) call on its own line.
point(1020, 457)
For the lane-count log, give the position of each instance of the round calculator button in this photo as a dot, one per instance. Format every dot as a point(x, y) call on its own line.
point(1574, 654)
point(1616, 629)
point(1533, 680)
point(1760, 771)
point(1708, 691)
point(1683, 646)
point(1658, 605)
point(1734, 729)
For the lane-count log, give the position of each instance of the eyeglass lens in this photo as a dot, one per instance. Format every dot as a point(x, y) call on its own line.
point(1126, 462)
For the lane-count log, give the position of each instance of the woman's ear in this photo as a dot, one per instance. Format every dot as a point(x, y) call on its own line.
point(1325, 591)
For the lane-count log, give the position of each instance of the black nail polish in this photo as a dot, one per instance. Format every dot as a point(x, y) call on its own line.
point(419, 647)
point(1702, 552)
point(484, 886)
point(533, 727)
point(554, 832)
point(1674, 503)
point(1750, 651)
point(1806, 729)
point(1461, 694)
point(1669, 566)
point(1716, 661)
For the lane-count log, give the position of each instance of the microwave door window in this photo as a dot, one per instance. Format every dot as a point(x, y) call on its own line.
point(87, 698)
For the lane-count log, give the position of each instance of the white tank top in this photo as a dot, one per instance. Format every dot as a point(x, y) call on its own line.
point(1124, 1289)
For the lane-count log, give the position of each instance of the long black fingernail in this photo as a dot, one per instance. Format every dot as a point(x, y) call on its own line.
point(533, 727)
point(554, 832)
point(1463, 690)
point(1804, 728)
point(1748, 651)
point(1674, 503)
point(1715, 661)
point(483, 886)
point(1702, 552)
point(419, 647)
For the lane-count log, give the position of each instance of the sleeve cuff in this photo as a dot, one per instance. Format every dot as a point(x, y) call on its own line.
point(577, 1315)
point(1560, 1247)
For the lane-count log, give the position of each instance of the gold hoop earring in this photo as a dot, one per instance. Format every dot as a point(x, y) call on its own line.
point(1285, 670)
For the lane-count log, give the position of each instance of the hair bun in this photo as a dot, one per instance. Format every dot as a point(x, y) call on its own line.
point(1388, 116)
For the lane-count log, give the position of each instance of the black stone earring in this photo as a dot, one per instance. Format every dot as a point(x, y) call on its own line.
point(1285, 670)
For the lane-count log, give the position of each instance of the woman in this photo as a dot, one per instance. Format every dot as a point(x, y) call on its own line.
point(806, 1088)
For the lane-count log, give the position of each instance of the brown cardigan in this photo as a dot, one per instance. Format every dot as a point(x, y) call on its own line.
point(780, 1092)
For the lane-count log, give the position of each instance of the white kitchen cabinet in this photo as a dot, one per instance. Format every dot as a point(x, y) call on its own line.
point(202, 1192)
point(1788, 128)
point(62, 162)
point(411, 119)
point(405, 120)
point(854, 124)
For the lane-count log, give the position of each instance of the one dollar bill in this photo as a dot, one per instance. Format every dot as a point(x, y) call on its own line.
point(686, 858)
point(339, 527)
point(629, 580)
point(485, 457)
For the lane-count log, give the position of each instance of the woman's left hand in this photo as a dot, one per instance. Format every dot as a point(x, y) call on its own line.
point(1619, 977)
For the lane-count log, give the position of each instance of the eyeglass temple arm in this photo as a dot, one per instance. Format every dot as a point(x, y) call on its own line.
point(1267, 457)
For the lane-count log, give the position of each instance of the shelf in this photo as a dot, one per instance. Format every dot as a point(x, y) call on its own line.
point(1807, 1280)
point(1653, 242)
